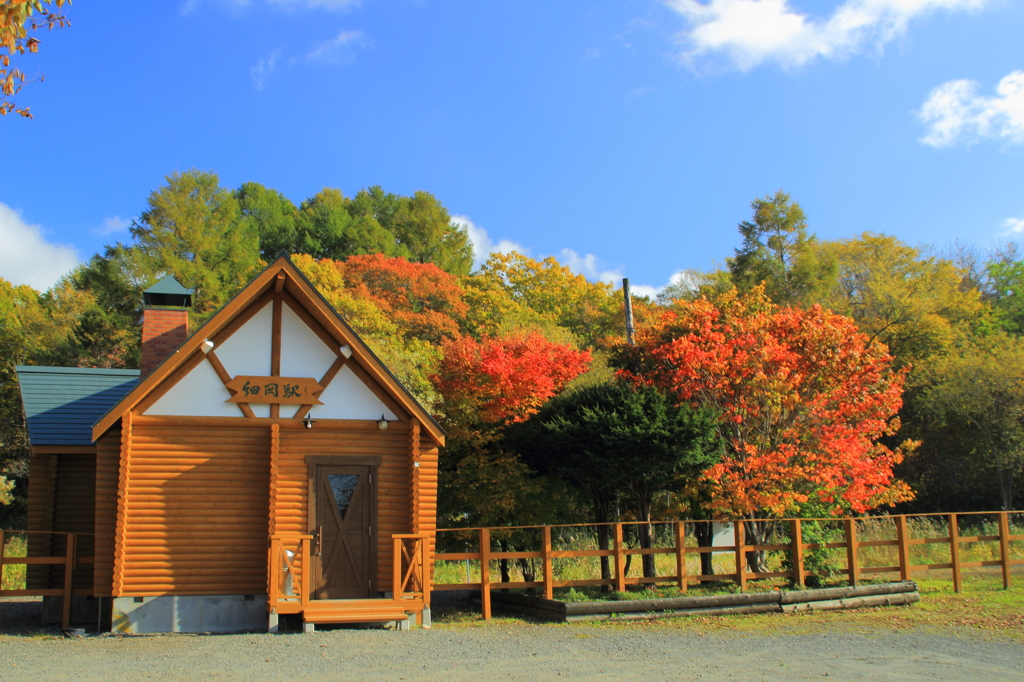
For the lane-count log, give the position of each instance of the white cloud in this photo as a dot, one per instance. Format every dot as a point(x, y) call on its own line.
point(750, 32)
point(955, 112)
point(26, 257)
point(589, 266)
point(336, 50)
point(113, 224)
point(264, 67)
point(483, 246)
point(1014, 225)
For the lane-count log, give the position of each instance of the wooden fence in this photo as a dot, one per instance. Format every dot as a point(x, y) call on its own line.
point(70, 560)
point(796, 548)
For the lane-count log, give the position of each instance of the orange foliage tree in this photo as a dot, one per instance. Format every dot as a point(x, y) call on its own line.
point(485, 385)
point(803, 396)
point(421, 298)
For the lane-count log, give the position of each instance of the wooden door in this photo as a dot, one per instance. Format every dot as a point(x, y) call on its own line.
point(345, 565)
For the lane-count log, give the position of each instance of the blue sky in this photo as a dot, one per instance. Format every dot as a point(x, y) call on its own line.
point(625, 138)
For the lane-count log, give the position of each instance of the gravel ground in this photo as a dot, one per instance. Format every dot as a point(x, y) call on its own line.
point(510, 650)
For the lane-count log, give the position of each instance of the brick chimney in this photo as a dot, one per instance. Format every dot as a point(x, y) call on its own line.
point(164, 321)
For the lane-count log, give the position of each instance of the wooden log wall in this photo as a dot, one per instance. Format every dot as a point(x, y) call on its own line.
point(195, 505)
point(356, 440)
point(108, 456)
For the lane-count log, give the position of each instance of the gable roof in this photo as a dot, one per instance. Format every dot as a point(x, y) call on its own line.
point(62, 403)
point(283, 276)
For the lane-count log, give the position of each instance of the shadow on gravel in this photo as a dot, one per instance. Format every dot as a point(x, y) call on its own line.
point(23, 618)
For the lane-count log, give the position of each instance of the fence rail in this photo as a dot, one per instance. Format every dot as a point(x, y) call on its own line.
point(796, 549)
point(71, 560)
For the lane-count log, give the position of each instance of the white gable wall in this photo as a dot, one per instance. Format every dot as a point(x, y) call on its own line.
point(248, 352)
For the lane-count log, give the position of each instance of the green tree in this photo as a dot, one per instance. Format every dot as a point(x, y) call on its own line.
point(194, 231)
point(620, 440)
point(271, 215)
point(980, 390)
point(913, 303)
point(778, 252)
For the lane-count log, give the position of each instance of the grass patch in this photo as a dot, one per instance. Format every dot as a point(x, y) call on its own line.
point(13, 577)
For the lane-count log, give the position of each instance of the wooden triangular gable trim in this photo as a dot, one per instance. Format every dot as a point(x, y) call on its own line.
point(285, 278)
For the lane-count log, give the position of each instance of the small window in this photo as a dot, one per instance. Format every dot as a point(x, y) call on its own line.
point(343, 486)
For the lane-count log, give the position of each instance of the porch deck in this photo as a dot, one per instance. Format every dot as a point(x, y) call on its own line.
point(290, 589)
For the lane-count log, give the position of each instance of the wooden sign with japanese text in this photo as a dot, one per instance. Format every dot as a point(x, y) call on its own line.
point(275, 390)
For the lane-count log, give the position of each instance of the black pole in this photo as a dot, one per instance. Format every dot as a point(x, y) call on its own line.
point(629, 310)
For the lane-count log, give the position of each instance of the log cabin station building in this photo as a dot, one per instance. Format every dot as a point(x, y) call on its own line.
point(266, 464)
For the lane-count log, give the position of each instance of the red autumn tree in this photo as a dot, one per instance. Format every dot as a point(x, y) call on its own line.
point(803, 398)
point(423, 300)
point(485, 385)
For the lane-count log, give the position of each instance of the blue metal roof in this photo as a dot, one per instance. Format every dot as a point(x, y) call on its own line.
point(63, 403)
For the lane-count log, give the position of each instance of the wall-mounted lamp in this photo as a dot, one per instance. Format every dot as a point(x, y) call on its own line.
point(308, 421)
point(382, 424)
point(346, 351)
point(206, 346)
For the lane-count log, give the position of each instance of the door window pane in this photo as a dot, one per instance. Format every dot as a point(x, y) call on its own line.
point(343, 486)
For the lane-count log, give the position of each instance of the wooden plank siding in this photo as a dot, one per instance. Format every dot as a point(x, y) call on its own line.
point(73, 512)
point(197, 506)
point(393, 483)
point(108, 460)
point(42, 472)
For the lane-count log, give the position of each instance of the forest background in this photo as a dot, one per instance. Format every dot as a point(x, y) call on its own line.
point(800, 377)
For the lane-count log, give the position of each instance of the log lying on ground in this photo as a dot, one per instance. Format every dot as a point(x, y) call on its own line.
point(833, 598)
point(900, 599)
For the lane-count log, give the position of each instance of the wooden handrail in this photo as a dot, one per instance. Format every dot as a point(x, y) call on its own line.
point(796, 548)
point(70, 560)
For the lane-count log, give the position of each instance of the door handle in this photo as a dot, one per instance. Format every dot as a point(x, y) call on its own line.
point(319, 540)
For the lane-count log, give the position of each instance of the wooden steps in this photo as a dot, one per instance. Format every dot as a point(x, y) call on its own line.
point(359, 611)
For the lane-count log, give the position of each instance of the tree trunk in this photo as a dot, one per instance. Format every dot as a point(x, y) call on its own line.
point(646, 537)
point(504, 562)
point(602, 515)
point(754, 535)
point(704, 531)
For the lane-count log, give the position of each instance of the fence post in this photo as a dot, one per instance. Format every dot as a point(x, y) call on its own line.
point(426, 584)
point(798, 553)
point(741, 559)
point(396, 569)
point(954, 551)
point(681, 554)
point(903, 548)
point(620, 561)
point(2, 561)
point(485, 572)
point(549, 588)
point(274, 567)
point(306, 575)
point(851, 551)
point(69, 571)
point(1004, 547)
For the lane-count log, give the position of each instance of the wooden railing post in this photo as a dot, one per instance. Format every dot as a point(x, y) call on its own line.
point(741, 559)
point(546, 567)
point(2, 539)
point(904, 548)
point(485, 568)
point(851, 551)
point(954, 552)
point(396, 570)
point(306, 574)
point(424, 545)
point(69, 571)
point(620, 561)
point(274, 563)
point(1004, 547)
point(681, 554)
point(798, 553)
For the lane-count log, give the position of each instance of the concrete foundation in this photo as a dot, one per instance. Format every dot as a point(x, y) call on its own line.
point(225, 613)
